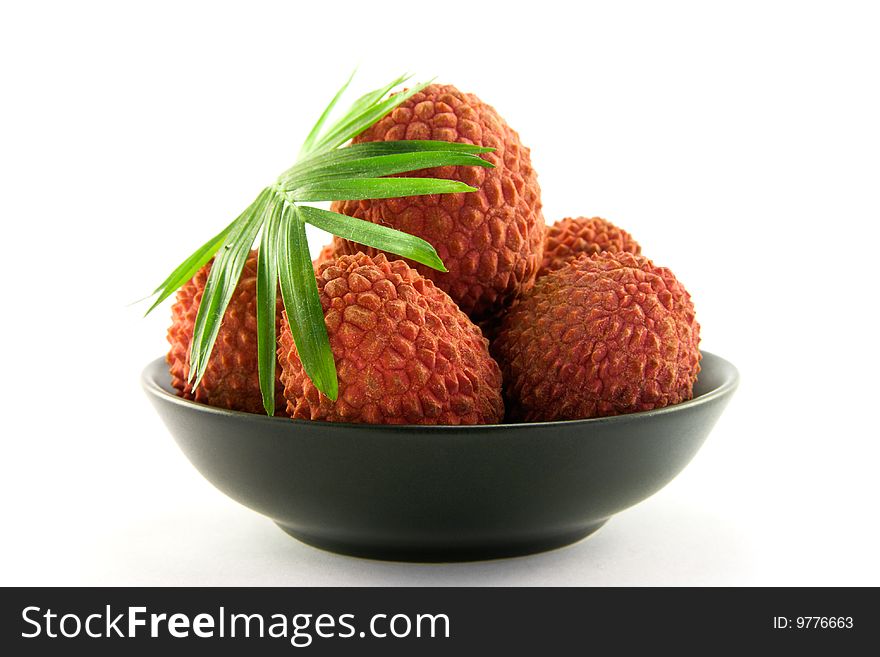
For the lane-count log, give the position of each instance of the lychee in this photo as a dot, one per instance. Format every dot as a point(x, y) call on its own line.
point(404, 352)
point(572, 237)
point(232, 377)
point(490, 240)
point(603, 335)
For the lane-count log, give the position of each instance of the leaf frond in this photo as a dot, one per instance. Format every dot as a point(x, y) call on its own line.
point(324, 171)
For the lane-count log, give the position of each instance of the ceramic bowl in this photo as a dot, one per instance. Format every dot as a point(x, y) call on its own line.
point(441, 493)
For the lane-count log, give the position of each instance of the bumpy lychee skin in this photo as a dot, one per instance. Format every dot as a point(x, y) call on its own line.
point(604, 335)
point(232, 377)
point(570, 238)
point(405, 353)
point(491, 240)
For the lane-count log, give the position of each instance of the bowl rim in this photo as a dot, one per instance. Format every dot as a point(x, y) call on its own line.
point(727, 386)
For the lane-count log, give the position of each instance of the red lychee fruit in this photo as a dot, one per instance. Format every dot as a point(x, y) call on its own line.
point(605, 334)
point(232, 377)
point(490, 240)
point(570, 238)
point(405, 353)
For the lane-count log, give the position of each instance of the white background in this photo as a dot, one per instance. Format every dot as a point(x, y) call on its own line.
point(740, 144)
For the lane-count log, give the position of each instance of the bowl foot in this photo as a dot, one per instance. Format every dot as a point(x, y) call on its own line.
point(437, 553)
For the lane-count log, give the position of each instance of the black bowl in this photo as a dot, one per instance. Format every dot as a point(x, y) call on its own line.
point(441, 493)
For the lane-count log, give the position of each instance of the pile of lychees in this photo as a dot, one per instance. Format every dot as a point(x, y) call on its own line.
point(581, 324)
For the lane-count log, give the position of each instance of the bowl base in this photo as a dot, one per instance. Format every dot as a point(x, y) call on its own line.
point(434, 553)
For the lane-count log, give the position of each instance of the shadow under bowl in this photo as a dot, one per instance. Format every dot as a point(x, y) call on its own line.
point(441, 493)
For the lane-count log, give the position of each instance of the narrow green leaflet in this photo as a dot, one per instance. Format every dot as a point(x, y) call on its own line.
point(267, 293)
point(371, 98)
point(308, 144)
point(375, 149)
point(375, 235)
point(386, 165)
point(188, 268)
point(221, 283)
point(363, 188)
point(355, 125)
point(406, 146)
point(299, 290)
